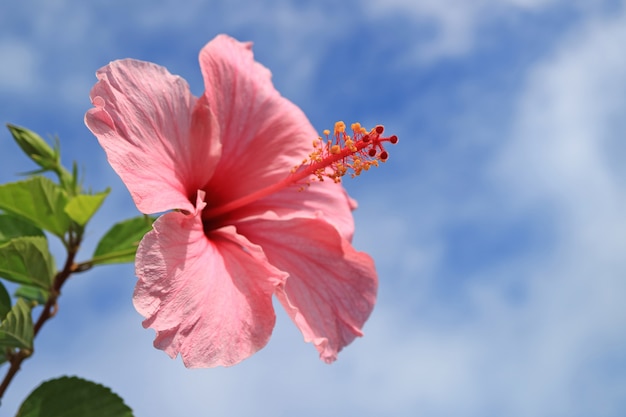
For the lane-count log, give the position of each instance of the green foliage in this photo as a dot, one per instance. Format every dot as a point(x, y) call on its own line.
point(82, 207)
point(5, 301)
point(26, 260)
point(34, 295)
point(27, 209)
point(16, 330)
point(120, 243)
point(12, 227)
point(38, 200)
point(73, 397)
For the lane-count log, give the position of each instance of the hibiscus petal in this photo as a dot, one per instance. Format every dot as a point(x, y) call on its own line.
point(328, 199)
point(263, 134)
point(209, 300)
point(331, 288)
point(162, 141)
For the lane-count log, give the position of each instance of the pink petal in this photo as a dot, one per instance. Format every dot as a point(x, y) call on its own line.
point(326, 199)
point(209, 300)
point(162, 141)
point(263, 134)
point(331, 288)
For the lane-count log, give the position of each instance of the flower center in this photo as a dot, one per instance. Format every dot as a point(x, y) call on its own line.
point(331, 158)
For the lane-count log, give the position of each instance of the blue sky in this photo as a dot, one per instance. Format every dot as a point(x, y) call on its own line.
point(498, 225)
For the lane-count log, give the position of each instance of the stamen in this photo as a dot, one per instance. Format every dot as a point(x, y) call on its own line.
point(331, 158)
point(335, 157)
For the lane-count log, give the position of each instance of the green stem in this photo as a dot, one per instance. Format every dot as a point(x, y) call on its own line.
point(49, 310)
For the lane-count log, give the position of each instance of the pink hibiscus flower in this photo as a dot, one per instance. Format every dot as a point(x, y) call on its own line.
point(246, 218)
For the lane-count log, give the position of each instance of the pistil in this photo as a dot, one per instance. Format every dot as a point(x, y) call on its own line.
point(331, 158)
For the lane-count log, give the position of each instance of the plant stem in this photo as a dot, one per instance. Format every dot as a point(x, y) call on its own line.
point(49, 310)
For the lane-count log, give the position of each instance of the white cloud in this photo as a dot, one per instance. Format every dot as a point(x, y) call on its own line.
point(450, 27)
point(559, 162)
point(570, 128)
point(18, 68)
point(547, 353)
point(451, 23)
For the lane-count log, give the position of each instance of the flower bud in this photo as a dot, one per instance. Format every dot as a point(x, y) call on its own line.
point(35, 147)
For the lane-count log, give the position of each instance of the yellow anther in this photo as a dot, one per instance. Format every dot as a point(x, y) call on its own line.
point(334, 156)
point(340, 127)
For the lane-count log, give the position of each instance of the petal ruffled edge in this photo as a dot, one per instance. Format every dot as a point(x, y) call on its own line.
point(158, 137)
point(331, 288)
point(208, 298)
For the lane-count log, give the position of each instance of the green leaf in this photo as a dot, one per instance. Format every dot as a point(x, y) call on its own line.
point(12, 226)
point(82, 207)
point(26, 260)
point(40, 201)
point(5, 301)
point(119, 244)
point(16, 330)
point(73, 397)
point(35, 295)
